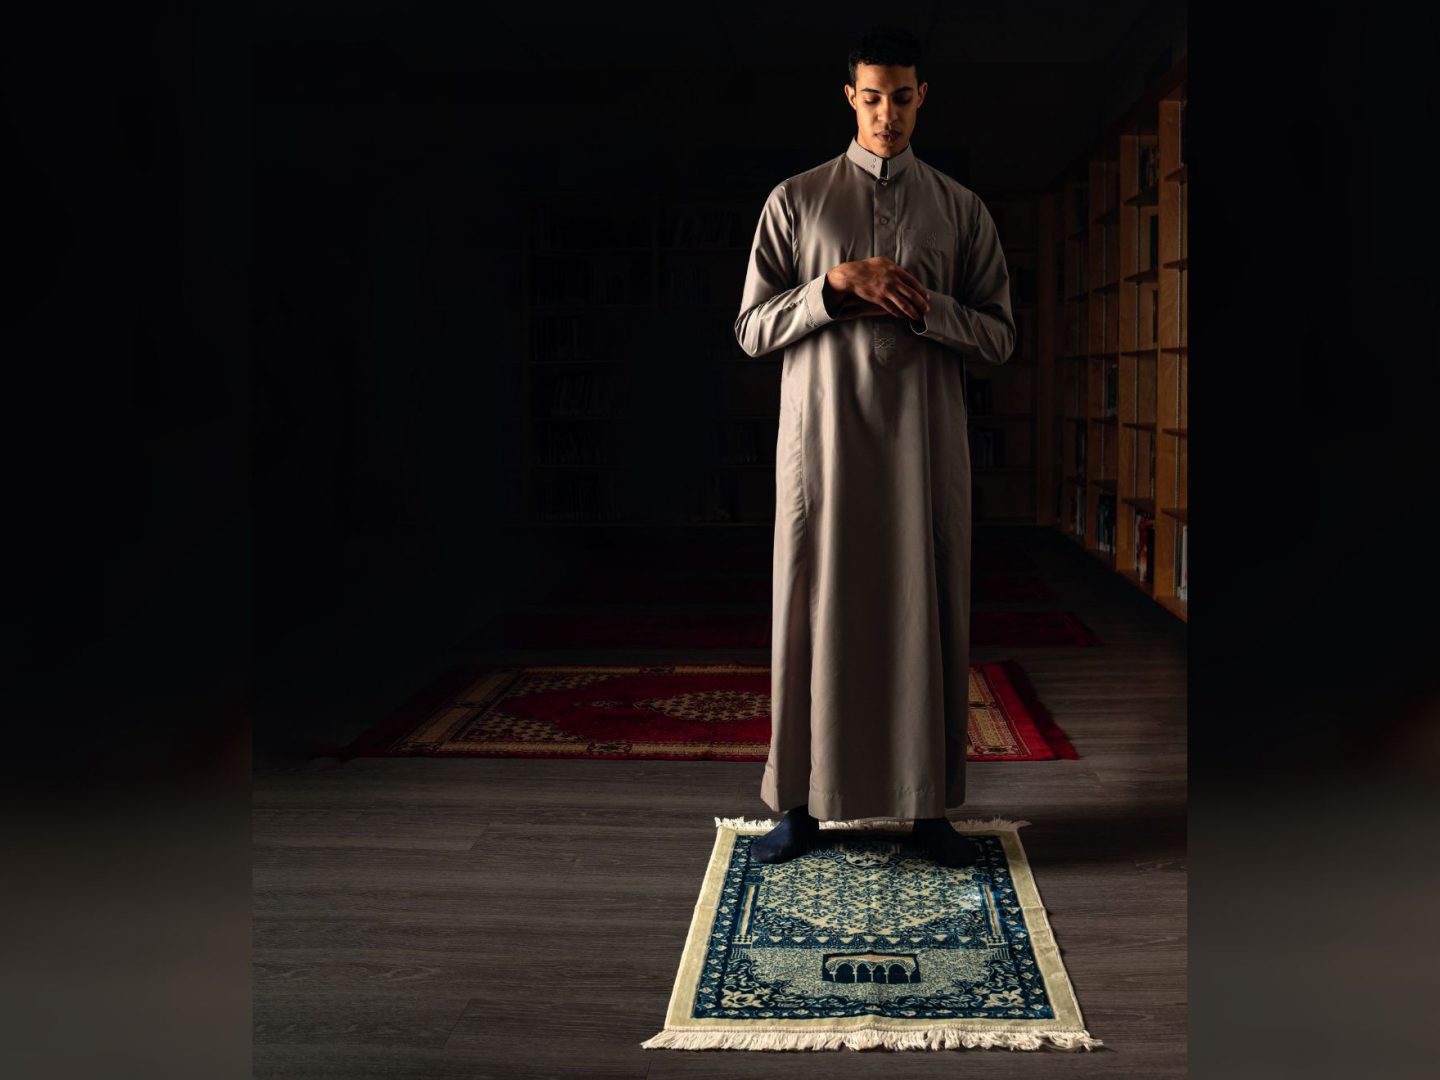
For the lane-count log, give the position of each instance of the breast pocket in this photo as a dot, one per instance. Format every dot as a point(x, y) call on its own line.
point(930, 256)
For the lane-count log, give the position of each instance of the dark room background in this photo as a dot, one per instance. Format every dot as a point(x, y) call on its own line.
point(394, 154)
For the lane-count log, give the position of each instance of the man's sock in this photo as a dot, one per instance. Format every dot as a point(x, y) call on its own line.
point(940, 842)
point(792, 836)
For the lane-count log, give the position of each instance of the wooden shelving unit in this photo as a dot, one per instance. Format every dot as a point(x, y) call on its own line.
point(1115, 235)
point(629, 303)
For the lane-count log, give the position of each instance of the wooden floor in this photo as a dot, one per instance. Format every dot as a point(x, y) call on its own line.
point(511, 919)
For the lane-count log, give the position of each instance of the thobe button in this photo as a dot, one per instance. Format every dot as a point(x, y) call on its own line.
point(883, 220)
point(883, 181)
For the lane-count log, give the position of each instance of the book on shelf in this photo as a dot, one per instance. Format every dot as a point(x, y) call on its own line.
point(577, 393)
point(1144, 545)
point(987, 446)
point(1154, 241)
point(1152, 464)
point(1105, 522)
point(1112, 388)
point(602, 277)
point(582, 497)
point(721, 227)
point(590, 225)
point(1149, 165)
point(1182, 584)
point(1079, 509)
point(978, 399)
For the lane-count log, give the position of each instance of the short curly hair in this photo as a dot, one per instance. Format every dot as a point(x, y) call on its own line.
point(887, 46)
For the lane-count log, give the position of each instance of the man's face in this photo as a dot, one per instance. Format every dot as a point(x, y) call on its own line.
point(884, 100)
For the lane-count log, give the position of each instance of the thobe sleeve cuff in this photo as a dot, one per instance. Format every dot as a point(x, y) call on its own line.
point(814, 298)
point(985, 334)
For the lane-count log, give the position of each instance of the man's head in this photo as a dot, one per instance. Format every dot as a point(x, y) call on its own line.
point(885, 89)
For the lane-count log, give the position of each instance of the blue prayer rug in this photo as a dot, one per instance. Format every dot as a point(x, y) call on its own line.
point(864, 943)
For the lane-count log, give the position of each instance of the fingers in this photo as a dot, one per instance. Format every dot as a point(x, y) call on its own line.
point(910, 279)
point(920, 299)
point(911, 305)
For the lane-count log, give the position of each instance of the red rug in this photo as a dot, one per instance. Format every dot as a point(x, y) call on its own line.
point(712, 712)
point(751, 629)
point(638, 587)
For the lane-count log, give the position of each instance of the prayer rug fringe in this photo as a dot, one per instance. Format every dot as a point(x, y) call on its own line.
point(873, 823)
point(935, 1038)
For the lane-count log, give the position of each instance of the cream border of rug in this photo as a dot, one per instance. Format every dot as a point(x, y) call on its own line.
point(683, 1032)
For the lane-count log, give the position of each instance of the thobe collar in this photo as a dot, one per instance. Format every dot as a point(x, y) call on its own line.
point(872, 163)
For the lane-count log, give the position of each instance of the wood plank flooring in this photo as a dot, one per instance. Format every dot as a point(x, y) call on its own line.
point(506, 918)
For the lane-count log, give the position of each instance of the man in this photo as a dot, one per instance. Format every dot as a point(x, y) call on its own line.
point(878, 276)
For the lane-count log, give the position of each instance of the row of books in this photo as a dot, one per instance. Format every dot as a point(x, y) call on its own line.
point(1110, 389)
point(573, 444)
point(577, 393)
point(1149, 163)
point(610, 224)
point(711, 228)
point(1105, 523)
point(1143, 543)
point(1182, 584)
point(978, 398)
point(748, 442)
point(987, 446)
point(599, 278)
point(581, 337)
point(736, 497)
point(702, 283)
point(601, 495)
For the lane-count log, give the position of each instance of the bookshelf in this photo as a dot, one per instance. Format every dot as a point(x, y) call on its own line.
point(629, 302)
point(1114, 231)
point(1001, 401)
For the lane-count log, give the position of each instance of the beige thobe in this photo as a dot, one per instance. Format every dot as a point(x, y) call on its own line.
point(871, 591)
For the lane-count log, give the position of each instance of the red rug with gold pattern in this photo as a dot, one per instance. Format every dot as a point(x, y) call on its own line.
point(715, 712)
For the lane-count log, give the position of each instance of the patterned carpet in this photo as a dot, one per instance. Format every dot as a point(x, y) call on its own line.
point(862, 942)
point(718, 712)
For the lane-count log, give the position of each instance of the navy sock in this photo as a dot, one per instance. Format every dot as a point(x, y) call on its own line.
point(940, 842)
point(791, 837)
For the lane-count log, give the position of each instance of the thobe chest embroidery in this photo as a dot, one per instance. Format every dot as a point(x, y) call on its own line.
point(884, 339)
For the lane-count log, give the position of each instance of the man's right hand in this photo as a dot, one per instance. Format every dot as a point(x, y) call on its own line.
point(878, 286)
